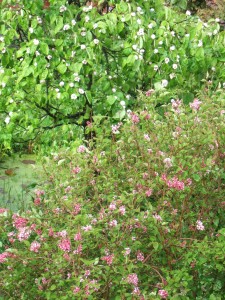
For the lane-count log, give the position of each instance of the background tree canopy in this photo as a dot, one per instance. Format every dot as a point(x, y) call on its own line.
point(66, 65)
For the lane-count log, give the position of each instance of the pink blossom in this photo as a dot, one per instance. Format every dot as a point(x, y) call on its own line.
point(81, 149)
point(3, 257)
point(122, 210)
point(176, 104)
point(76, 170)
point(147, 137)
point(37, 201)
point(108, 259)
point(86, 228)
point(168, 162)
point(76, 290)
point(127, 251)
point(199, 225)
point(87, 273)
point(39, 193)
point(134, 118)
point(149, 92)
point(35, 246)
point(157, 217)
point(140, 256)
point(148, 193)
point(195, 105)
point(163, 294)
point(19, 221)
point(78, 237)
point(68, 189)
point(175, 183)
point(112, 206)
point(132, 279)
point(136, 291)
point(65, 245)
point(3, 210)
point(113, 223)
point(24, 233)
point(78, 250)
point(62, 233)
point(77, 209)
point(50, 232)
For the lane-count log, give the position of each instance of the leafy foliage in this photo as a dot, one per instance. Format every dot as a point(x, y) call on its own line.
point(66, 64)
point(139, 216)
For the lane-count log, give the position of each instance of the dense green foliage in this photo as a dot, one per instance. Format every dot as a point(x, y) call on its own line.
point(127, 99)
point(65, 66)
point(139, 216)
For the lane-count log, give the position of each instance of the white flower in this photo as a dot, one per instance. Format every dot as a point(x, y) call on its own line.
point(96, 41)
point(188, 13)
point(77, 78)
point(28, 51)
point(36, 42)
point(81, 91)
point(2, 70)
point(87, 19)
point(49, 57)
point(62, 8)
point(142, 51)
point(73, 53)
point(156, 51)
point(95, 25)
point(3, 84)
point(200, 43)
point(141, 32)
point(128, 96)
point(7, 120)
point(31, 30)
point(11, 101)
point(215, 32)
point(213, 69)
point(172, 48)
point(83, 33)
point(172, 75)
point(39, 20)
point(61, 83)
point(71, 84)
point(66, 27)
point(82, 47)
point(153, 36)
point(150, 25)
point(172, 33)
point(84, 62)
point(73, 22)
point(138, 21)
point(1, 38)
point(37, 53)
point(113, 90)
point(174, 66)
point(168, 162)
point(164, 83)
point(199, 225)
point(152, 9)
point(10, 113)
point(133, 14)
point(58, 95)
point(134, 47)
point(217, 20)
point(156, 68)
point(73, 97)
point(42, 81)
point(167, 60)
point(123, 104)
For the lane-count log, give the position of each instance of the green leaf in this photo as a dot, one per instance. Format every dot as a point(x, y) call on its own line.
point(44, 48)
point(62, 68)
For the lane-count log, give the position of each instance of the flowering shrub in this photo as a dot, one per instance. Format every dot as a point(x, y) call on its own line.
point(68, 64)
point(137, 215)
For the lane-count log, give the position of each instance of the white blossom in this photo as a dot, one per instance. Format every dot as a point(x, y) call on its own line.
point(73, 96)
point(164, 83)
point(36, 42)
point(62, 8)
point(7, 120)
point(66, 27)
point(81, 91)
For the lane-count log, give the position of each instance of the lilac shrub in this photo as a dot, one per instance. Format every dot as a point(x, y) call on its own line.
point(136, 214)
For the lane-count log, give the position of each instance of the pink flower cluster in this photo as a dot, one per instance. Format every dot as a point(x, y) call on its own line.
point(163, 294)
point(149, 92)
point(174, 183)
point(18, 221)
point(81, 149)
point(176, 104)
point(199, 225)
point(65, 245)
point(3, 257)
point(108, 259)
point(35, 246)
point(132, 279)
point(76, 170)
point(195, 105)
